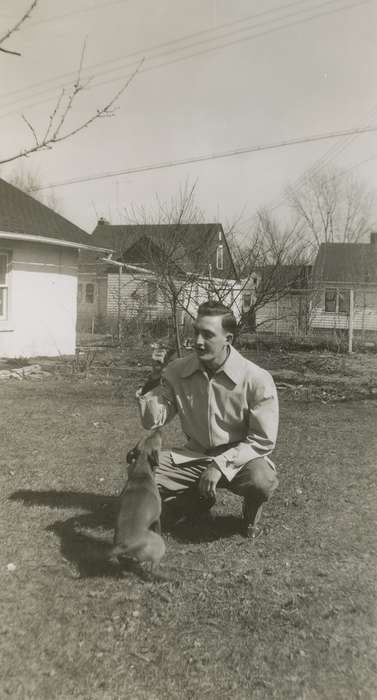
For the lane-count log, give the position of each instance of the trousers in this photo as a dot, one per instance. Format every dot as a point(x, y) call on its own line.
point(256, 481)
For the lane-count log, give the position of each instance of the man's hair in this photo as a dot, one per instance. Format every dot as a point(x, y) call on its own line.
point(216, 308)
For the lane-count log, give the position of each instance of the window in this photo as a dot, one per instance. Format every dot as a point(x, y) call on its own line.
point(151, 293)
point(337, 301)
point(3, 286)
point(79, 294)
point(343, 301)
point(330, 300)
point(89, 293)
point(246, 302)
point(220, 257)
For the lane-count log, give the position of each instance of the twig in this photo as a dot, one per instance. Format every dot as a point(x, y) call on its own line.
point(31, 129)
point(53, 115)
point(55, 137)
point(16, 27)
point(14, 53)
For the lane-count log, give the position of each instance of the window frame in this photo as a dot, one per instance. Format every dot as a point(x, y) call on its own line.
point(152, 299)
point(340, 295)
point(220, 257)
point(89, 301)
point(4, 316)
point(333, 301)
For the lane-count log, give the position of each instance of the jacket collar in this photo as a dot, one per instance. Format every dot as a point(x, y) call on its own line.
point(232, 367)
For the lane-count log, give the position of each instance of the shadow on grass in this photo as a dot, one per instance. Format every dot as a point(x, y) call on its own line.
point(88, 553)
point(220, 527)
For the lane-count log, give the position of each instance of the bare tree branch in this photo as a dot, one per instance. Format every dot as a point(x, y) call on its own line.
point(332, 207)
point(50, 139)
point(16, 27)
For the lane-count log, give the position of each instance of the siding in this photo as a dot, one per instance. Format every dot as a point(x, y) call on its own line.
point(363, 320)
point(133, 296)
point(42, 301)
point(365, 311)
point(285, 316)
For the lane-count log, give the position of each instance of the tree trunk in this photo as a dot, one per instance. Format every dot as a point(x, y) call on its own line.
point(177, 335)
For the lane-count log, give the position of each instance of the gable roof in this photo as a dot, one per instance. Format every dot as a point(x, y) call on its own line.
point(185, 242)
point(346, 262)
point(25, 218)
point(293, 277)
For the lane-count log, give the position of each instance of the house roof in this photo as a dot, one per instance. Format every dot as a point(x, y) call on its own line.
point(24, 217)
point(184, 240)
point(284, 277)
point(346, 262)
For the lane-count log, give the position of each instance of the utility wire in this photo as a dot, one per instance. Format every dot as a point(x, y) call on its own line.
point(211, 156)
point(332, 153)
point(84, 10)
point(213, 48)
point(136, 55)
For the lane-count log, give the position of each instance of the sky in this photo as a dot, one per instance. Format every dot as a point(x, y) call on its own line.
point(216, 76)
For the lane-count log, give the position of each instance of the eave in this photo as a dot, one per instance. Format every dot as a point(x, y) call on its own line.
point(53, 241)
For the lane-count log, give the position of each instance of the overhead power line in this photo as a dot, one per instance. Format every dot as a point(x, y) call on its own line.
point(161, 47)
point(207, 49)
point(147, 51)
point(83, 10)
point(210, 156)
point(331, 154)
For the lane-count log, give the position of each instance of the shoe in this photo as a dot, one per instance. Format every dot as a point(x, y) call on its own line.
point(250, 518)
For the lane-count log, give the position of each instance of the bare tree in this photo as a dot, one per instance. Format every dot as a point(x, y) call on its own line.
point(55, 129)
point(177, 252)
point(332, 207)
point(29, 181)
point(272, 265)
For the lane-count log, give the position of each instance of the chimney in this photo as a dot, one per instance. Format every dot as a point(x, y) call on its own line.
point(373, 238)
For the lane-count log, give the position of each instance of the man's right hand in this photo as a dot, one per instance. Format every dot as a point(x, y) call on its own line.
point(158, 362)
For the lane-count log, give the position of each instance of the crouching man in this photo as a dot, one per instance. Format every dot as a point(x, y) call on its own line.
point(228, 409)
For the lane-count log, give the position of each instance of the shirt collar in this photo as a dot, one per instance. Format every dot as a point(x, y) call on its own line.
point(232, 366)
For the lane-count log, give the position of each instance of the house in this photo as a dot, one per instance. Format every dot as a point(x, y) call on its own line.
point(338, 269)
point(39, 252)
point(134, 283)
point(275, 299)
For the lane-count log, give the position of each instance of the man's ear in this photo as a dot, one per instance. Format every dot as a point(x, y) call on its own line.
point(230, 338)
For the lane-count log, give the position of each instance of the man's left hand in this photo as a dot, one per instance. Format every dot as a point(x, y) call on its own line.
point(208, 481)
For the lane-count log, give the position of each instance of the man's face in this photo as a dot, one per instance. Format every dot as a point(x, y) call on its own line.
point(210, 339)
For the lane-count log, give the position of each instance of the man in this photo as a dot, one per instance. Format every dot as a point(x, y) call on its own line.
point(228, 410)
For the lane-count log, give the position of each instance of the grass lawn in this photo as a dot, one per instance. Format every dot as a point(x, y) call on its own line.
point(291, 616)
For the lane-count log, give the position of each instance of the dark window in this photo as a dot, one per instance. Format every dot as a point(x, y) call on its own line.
point(343, 301)
point(330, 300)
point(151, 293)
point(337, 301)
point(246, 301)
point(89, 293)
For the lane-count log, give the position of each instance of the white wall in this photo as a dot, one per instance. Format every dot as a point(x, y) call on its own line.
point(42, 300)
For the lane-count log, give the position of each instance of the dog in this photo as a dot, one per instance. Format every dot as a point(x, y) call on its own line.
point(138, 530)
